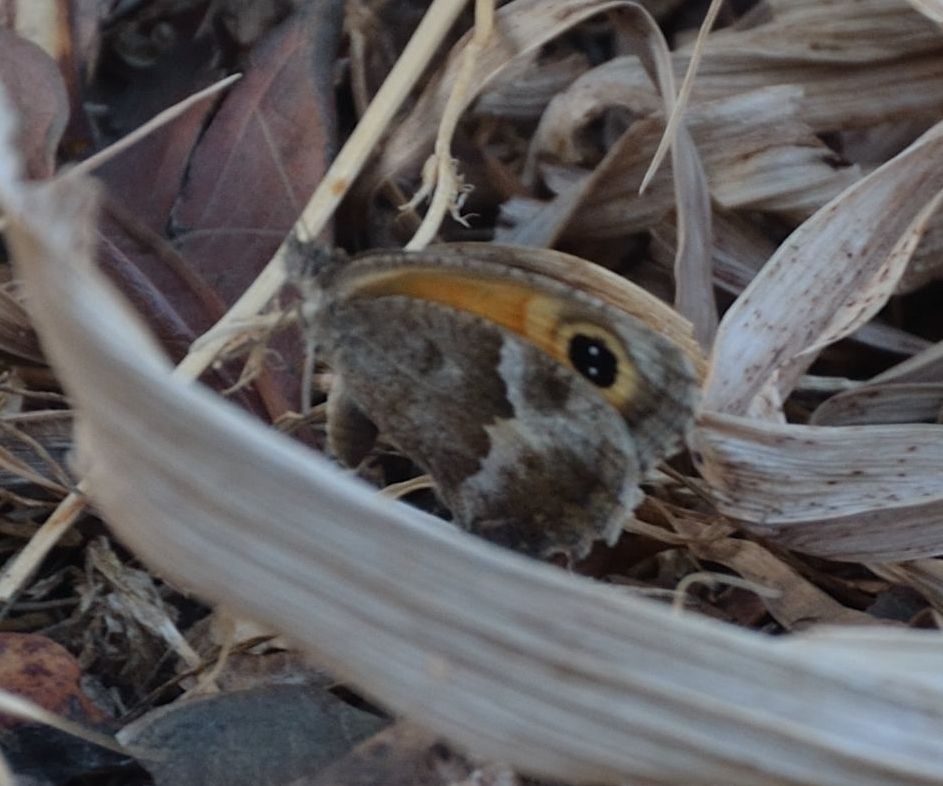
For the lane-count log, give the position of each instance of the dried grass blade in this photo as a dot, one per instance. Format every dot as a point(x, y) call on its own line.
point(831, 275)
point(871, 493)
point(798, 602)
point(923, 575)
point(694, 287)
point(926, 366)
point(882, 403)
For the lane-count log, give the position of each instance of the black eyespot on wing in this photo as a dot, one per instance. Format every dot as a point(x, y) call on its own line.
point(593, 359)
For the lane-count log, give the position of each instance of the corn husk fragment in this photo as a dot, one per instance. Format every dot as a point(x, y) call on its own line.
point(882, 403)
point(851, 492)
point(829, 278)
point(757, 153)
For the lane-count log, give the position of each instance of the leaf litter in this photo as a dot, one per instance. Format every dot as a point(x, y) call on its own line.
point(802, 185)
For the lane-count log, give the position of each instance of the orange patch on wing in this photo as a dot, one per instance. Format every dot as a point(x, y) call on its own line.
point(503, 302)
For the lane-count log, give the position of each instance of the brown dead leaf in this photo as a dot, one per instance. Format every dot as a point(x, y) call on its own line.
point(146, 179)
point(44, 672)
point(34, 85)
point(248, 20)
point(800, 604)
point(256, 164)
point(273, 134)
point(69, 32)
point(177, 302)
point(923, 575)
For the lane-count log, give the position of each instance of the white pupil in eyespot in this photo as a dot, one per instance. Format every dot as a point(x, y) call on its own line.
point(593, 359)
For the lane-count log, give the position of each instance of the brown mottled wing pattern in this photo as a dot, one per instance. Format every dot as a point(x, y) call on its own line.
point(523, 450)
point(519, 451)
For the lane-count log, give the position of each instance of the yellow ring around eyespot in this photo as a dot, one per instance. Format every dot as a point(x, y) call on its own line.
point(622, 392)
point(548, 326)
point(528, 312)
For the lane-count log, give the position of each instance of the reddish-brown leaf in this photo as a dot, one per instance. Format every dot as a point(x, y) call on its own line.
point(44, 672)
point(38, 93)
point(263, 153)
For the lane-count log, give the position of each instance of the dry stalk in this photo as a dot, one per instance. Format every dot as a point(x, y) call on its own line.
point(684, 94)
point(442, 173)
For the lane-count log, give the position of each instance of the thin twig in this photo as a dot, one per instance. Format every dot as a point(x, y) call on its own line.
point(24, 564)
point(160, 119)
point(442, 175)
point(671, 127)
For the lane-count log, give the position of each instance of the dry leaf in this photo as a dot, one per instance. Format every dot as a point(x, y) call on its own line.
point(848, 57)
point(882, 403)
point(275, 130)
point(797, 603)
point(923, 575)
point(35, 86)
point(852, 492)
point(41, 670)
point(757, 149)
point(831, 276)
point(523, 26)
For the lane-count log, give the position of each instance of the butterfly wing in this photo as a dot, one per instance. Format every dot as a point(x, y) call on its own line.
point(523, 449)
point(520, 451)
